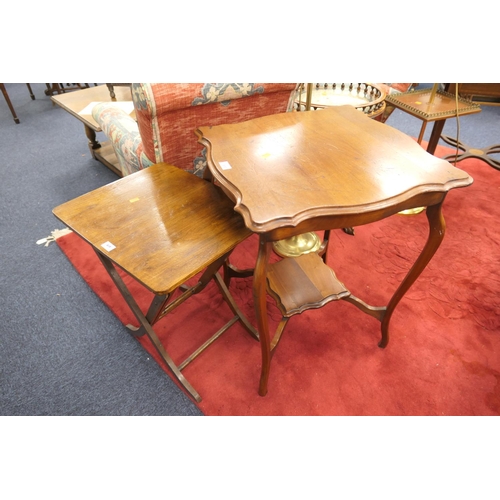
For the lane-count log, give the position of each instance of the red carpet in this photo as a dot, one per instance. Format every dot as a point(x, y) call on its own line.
point(443, 357)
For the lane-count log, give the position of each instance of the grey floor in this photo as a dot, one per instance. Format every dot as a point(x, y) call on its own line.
point(62, 352)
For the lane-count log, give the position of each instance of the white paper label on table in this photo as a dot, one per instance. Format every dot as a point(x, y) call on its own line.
point(108, 246)
point(225, 165)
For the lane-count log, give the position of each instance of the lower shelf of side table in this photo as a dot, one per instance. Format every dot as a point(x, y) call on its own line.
point(301, 283)
point(306, 282)
point(106, 155)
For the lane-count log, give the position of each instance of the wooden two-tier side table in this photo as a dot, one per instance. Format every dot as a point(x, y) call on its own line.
point(318, 170)
point(432, 107)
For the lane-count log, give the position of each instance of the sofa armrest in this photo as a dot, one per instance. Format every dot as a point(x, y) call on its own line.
point(123, 133)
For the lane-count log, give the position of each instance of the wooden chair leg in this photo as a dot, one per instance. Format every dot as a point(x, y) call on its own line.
point(7, 99)
point(30, 91)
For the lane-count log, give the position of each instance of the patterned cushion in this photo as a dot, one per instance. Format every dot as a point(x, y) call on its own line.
point(123, 133)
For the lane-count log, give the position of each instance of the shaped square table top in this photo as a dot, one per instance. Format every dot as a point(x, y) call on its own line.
point(161, 224)
point(284, 169)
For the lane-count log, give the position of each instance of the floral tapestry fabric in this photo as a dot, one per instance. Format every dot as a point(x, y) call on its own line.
point(123, 133)
point(225, 92)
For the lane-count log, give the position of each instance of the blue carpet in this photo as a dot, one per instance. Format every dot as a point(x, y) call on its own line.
point(62, 351)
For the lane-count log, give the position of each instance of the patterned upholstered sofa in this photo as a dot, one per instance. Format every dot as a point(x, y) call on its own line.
point(167, 115)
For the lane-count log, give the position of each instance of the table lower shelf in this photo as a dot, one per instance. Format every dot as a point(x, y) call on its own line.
point(306, 282)
point(106, 155)
point(318, 284)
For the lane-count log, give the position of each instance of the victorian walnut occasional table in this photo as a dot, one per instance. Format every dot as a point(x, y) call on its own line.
point(79, 104)
point(319, 170)
point(162, 226)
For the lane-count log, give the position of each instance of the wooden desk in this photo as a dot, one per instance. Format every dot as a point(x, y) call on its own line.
point(296, 172)
point(77, 101)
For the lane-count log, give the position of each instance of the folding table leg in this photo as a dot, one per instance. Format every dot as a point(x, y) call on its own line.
point(146, 325)
point(160, 307)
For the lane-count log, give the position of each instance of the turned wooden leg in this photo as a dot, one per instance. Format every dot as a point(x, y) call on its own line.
point(111, 90)
point(437, 229)
point(93, 142)
point(30, 91)
point(146, 326)
point(7, 99)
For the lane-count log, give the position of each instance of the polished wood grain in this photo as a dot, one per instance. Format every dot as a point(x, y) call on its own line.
point(321, 170)
point(162, 226)
point(159, 238)
point(295, 168)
